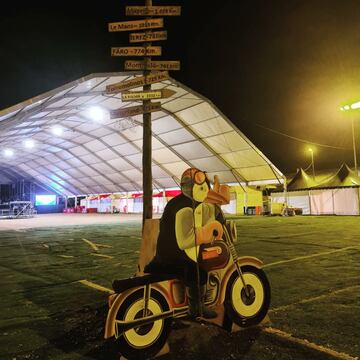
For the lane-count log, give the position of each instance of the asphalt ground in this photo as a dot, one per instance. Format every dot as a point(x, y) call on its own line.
point(313, 264)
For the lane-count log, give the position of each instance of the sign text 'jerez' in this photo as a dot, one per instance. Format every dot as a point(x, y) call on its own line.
point(147, 36)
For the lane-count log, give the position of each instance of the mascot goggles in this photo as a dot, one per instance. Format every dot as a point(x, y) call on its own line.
point(200, 177)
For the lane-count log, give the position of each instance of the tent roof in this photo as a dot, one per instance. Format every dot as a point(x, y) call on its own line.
point(343, 177)
point(301, 180)
point(98, 157)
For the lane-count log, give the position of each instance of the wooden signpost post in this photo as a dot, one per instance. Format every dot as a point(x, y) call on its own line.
point(148, 78)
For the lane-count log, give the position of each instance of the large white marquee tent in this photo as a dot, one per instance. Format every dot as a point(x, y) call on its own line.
point(65, 140)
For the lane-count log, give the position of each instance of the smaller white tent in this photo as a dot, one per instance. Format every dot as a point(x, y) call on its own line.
point(337, 195)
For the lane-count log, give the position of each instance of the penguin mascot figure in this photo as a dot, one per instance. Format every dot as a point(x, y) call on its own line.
point(189, 221)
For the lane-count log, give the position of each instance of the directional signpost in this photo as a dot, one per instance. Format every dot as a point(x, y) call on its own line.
point(136, 51)
point(147, 36)
point(137, 82)
point(153, 10)
point(136, 25)
point(152, 65)
point(147, 66)
point(135, 110)
point(147, 95)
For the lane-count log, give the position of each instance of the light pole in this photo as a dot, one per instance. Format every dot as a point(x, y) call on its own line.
point(352, 106)
point(354, 144)
point(312, 162)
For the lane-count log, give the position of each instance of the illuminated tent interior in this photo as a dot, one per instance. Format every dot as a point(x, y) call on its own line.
point(65, 141)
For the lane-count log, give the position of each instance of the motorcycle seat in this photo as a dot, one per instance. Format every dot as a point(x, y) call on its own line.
point(124, 284)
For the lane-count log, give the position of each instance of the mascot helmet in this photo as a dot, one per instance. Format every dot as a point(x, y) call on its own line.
point(195, 184)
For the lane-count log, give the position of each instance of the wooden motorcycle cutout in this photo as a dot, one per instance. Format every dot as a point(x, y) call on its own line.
point(143, 307)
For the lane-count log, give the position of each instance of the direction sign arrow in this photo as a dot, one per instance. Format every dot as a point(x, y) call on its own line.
point(136, 25)
point(152, 65)
point(153, 10)
point(135, 110)
point(148, 36)
point(136, 51)
point(147, 95)
point(137, 82)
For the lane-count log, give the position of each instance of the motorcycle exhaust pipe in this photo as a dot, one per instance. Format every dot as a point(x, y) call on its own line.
point(122, 326)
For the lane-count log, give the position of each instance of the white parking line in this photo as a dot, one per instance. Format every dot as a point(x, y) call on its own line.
point(310, 256)
point(95, 286)
point(288, 337)
point(316, 298)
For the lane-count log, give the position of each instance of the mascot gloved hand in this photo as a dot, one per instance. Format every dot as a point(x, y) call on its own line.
point(209, 232)
point(219, 194)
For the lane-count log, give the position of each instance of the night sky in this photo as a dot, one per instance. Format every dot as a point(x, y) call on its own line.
point(278, 69)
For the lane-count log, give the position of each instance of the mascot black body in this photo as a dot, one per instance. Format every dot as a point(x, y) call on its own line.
point(189, 221)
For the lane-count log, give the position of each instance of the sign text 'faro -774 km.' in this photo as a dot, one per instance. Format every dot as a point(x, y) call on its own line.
point(136, 51)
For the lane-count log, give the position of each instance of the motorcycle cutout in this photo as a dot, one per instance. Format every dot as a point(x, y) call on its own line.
point(143, 307)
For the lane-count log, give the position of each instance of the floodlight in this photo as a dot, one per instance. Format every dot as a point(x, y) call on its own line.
point(355, 105)
point(96, 113)
point(8, 152)
point(29, 144)
point(56, 130)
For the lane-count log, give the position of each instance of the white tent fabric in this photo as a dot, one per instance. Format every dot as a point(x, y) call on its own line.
point(346, 201)
point(340, 201)
point(104, 156)
point(321, 202)
point(278, 198)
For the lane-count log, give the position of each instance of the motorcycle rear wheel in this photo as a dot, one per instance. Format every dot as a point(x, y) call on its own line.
point(247, 310)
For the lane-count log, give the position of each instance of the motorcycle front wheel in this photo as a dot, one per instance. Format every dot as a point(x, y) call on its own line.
point(247, 309)
point(145, 341)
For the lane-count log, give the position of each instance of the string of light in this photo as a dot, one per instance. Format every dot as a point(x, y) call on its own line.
point(308, 142)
